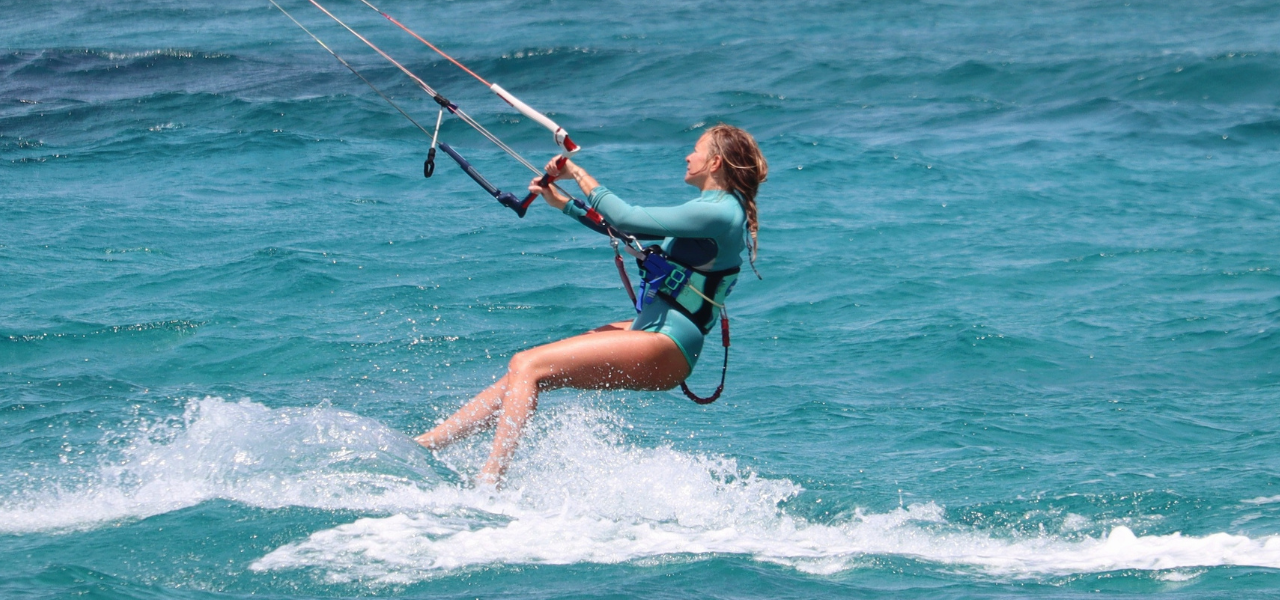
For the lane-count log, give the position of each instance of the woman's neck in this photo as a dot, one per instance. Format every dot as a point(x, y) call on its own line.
point(711, 184)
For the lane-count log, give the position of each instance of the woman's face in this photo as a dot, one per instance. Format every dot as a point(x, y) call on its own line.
point(701, 166)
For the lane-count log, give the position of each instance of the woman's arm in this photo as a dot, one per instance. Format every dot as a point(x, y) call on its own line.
point(553, 195)
point(692, 219)
point(580, 175)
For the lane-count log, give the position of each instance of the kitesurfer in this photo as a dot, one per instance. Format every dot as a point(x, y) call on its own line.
point(702, 243)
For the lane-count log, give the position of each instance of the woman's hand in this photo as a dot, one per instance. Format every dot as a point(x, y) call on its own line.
point(548, 193)
point(569, 169)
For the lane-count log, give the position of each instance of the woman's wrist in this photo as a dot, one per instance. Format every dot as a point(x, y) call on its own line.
point(568, 170)
point(585, 181)
point(555, 198)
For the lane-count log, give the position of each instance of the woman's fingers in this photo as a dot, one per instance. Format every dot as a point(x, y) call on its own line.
point(557, 172)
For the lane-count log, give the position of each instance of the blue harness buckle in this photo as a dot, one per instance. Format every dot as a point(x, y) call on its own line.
point(657, 274)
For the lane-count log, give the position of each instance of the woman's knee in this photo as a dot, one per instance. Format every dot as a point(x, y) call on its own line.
point(519, 362)
point(525, 365)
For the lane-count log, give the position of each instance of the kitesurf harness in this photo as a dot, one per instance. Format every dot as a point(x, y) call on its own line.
point(697, 294)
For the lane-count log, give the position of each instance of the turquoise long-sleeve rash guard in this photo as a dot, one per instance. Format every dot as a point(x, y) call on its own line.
point(706, 233)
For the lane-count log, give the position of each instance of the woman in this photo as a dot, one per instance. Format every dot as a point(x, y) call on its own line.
point(658, 349)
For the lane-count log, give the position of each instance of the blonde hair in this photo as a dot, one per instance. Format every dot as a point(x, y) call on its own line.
point(744, 169)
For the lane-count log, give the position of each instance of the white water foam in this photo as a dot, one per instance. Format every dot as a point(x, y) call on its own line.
point(580, 493)
point(238, 451)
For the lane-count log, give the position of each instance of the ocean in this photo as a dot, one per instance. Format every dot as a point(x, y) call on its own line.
point(1017, 336)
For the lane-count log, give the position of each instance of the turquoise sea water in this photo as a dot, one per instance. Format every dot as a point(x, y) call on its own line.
point(1018, 333)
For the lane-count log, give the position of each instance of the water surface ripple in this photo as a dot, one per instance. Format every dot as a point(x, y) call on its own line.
point(1017, 334)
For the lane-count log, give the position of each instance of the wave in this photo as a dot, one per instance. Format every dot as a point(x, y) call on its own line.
point(405, 549)
point(67, 61)
point(26, 349)
point(581, 492)
point(238, 451)
point(179, 326)
point(583, 495)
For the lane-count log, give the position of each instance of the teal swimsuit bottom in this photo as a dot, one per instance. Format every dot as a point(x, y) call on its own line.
point(661, 317)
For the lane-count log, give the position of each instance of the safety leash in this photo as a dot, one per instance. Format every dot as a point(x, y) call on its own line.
point(622, 269)
point(724, 369)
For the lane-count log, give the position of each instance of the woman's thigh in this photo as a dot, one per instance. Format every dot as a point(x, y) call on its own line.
point(615, 326)
point(606, 358)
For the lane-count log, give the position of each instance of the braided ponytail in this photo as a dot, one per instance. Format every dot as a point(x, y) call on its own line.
point(744, 169)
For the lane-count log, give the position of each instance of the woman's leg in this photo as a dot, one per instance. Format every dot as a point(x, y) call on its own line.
point(603, 359)
point(478, 414)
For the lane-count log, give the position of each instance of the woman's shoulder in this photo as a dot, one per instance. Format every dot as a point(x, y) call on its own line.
point(720, 213)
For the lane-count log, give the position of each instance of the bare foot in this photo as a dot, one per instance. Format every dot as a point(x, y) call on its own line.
point(488, 482)
point(430, 441)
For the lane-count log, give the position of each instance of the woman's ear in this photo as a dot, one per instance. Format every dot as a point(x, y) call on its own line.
point(714, 164)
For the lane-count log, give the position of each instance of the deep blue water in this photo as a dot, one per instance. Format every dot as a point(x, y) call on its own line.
point(1018, 333)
